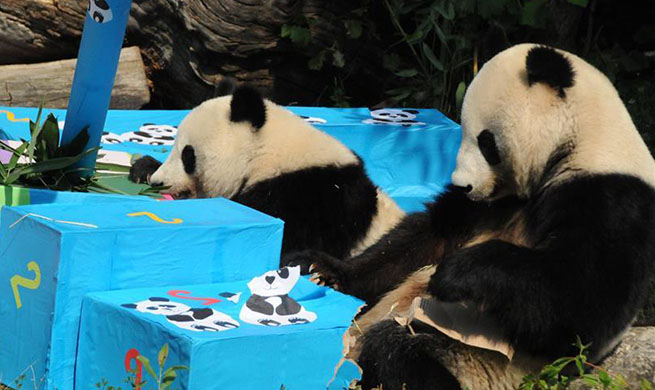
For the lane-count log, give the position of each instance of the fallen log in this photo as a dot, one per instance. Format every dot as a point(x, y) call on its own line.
point(27, 84)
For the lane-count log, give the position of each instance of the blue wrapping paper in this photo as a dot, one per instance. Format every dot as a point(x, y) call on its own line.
point(86, 247)
point(301, 356)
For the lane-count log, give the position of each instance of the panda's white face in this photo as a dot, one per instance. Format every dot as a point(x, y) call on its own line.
point(211, 153)
point(275, 283)
point(509, 129)
point(159, 306)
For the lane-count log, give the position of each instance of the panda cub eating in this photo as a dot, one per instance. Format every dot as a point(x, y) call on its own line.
point(548, 233)
point(259, 154)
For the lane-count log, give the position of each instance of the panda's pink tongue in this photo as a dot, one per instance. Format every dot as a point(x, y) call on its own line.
point(167, 197)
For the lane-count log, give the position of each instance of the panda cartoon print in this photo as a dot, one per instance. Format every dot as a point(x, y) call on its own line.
point(185, 317)
point(152, 134)
point(100, 11)
point(393, 116)
point(548, 233)
point(254, 152)
point(270, 303)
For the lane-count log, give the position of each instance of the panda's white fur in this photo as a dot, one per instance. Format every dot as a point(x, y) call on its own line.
point(549, 231)
point(233, 158)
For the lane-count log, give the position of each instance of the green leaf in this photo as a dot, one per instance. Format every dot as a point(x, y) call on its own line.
point(354, 28)
point(50, 134)
point(407, 72)
point(431, 57)
point(16, 155)
point(441, 35)
point(459, 95)
point(533, 13)
point(146, 364)
point(76, 145)
point(448, 12)
point(163, 354)
point(391, 61)
point(299, 35)
point(168, 379)
point(579, 3)
point(338, 59)
point(316, 62)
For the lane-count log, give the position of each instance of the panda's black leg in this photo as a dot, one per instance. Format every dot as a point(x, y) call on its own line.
point(398, 360)
point(142, 169)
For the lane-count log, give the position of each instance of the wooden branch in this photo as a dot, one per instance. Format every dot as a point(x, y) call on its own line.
point(26, 85)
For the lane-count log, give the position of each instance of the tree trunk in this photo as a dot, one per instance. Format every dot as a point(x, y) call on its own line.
point(26, 85)
point(187, 46)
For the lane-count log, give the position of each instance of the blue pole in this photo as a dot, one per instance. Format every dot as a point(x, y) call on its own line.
point(97, 62)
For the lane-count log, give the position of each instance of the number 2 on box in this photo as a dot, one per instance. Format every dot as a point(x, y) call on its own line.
point(21, 281)
point(154, 217)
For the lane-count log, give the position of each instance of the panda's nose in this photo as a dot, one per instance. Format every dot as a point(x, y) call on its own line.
point(270, 279)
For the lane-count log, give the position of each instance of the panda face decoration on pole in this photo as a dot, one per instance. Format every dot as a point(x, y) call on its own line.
point(99, 11)
point(95, 72)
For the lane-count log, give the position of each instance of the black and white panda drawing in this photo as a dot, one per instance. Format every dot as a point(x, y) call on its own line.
point(110, 138)
point(270, 303)
point(257, 153)
point(313, 120)
point(548, 232)
point(393, 116)
point(152, 134)
point(100, 11)
point(185, 317)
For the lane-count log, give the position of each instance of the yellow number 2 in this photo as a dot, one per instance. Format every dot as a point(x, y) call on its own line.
point(32, 284)
point(154, 217)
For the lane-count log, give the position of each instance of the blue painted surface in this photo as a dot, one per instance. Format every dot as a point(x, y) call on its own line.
point(411, 163)
point(301, 357)
point(217, 240)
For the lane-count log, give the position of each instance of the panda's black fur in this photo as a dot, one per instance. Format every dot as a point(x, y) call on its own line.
point(573, 258)
point(325, 208)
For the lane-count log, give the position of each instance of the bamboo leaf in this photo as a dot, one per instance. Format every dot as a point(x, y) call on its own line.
point(431, 57)
point(146, 364)
point(16, 156)
point(163, 354)
point(50, 134)
point(407, 72)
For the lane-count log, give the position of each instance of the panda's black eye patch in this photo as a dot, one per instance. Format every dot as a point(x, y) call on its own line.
point(189, 159)
point(488, 147)
point(284, 273)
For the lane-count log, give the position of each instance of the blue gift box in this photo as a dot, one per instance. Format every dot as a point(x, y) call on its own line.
point(117, 326)
point(53, 254)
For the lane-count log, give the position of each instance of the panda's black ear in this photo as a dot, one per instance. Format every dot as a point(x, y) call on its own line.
point(129, 305)
point(547, 65)
point(248, 106)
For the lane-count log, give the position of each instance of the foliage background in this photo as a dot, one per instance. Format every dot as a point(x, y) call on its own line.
point(423, 53)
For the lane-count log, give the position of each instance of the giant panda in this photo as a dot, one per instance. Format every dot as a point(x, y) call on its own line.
point(548, 232)
point(250, 150)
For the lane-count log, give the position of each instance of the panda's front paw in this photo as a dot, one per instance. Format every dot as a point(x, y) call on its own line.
point(453, 281)
point(325, 269)
point(143, 168)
